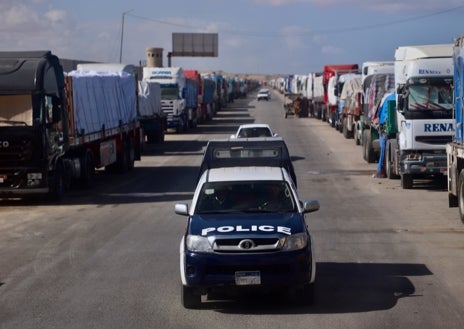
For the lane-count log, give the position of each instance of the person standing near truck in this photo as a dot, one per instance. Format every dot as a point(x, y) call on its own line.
point(382, 115)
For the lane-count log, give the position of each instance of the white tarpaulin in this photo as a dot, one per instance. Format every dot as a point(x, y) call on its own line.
point(102, 99)
point(149, 99)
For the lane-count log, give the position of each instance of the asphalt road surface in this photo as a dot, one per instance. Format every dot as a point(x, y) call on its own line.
point(108, 257)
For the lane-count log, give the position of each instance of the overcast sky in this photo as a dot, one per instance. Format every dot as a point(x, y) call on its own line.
point(255, 36)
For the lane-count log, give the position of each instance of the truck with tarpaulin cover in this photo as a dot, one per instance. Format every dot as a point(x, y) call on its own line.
point(371, 70)
point(193, 96)
point(150, 113)
point(350, 105)
point(375, 87)
point(331, 76)
point(455, 149)
point(208, 109)
point(57, 128)
point(424, 113)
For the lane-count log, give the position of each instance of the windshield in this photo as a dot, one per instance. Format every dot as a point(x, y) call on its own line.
point(430, 97)
point(170, 93)
point(246, 196)
point(254, 132)
point(16, 110)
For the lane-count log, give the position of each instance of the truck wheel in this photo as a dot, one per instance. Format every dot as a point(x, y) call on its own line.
point(130, 154)
point(189, 298)
point(345, 131)
point(151, 138)
point(87, 169)
point(357, 138)
point(369, 154)
point(160, 137)
point(390, 163)
point(461, 196)
point(406, 181)
point(57, 186)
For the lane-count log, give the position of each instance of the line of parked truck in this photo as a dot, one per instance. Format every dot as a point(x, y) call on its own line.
point(415, 102)
point(58, 126)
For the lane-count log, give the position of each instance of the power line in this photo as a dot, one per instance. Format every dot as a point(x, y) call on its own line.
point(305, 33)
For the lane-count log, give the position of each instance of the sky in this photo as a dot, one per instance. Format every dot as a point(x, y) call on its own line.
point(254, 36)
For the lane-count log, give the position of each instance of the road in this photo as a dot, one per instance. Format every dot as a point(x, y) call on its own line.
point(108, 257)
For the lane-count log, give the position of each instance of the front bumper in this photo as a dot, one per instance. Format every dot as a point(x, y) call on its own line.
point(425, 165)
point(276, 269)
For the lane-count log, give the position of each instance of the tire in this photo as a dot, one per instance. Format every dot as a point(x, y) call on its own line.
point(461, 196)
point(305, 295)
point(189, 298)
point(87, 169)
point(370, 151)
point(357, 139)
point(407, 181)
point(346, 134)
point(369, 154)
point(390, 163)
point(130, 154)
point(57, 183)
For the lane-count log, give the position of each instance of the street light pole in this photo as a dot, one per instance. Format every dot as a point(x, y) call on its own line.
point(122, 34)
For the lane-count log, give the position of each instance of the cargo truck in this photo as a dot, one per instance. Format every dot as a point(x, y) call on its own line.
point(150, 113)
point(56, 128)
point(455, 149)
point(350, 105)
point(372, 71)
point(172, 82)
point(193, 95)
point(330, 80)
point(375, 87)
point(424, 113)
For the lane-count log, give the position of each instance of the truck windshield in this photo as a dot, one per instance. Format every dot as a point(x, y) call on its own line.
point(16, 110)
point(246, 196)
point(430, 97)
point(169, 93)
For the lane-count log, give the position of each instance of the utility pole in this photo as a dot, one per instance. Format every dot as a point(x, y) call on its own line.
point(122, 34)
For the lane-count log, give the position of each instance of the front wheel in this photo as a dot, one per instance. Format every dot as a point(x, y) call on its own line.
point(461, 196)
point(406, 181)
point(57, 184)
point(305, 294)
point(390, 160)
point(189, 298)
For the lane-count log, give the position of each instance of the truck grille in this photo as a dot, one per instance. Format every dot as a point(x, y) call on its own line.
point(434, 140)
point(246, 245)
point(18, 150)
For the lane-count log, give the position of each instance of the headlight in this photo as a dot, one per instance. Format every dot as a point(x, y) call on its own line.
point(295, 242)
point(198, 243)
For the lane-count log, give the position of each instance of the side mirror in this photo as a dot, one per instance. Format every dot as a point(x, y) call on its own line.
point(181, 209)
point(311, 206)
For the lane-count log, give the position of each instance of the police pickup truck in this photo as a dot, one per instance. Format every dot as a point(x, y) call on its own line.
point(246, 226)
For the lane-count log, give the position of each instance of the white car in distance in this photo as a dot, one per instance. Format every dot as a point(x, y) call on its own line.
point(264, 94)
point(254, 130)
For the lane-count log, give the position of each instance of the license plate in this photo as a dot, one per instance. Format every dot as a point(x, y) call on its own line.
point(244, 278)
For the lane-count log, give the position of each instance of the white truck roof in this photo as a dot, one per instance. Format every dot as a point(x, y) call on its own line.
point(162, 72)
point(424, 51)
point(105, 68)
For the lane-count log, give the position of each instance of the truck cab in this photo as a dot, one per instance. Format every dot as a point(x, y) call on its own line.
point(33, 124)
point(424, 115)
point(172, 82)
